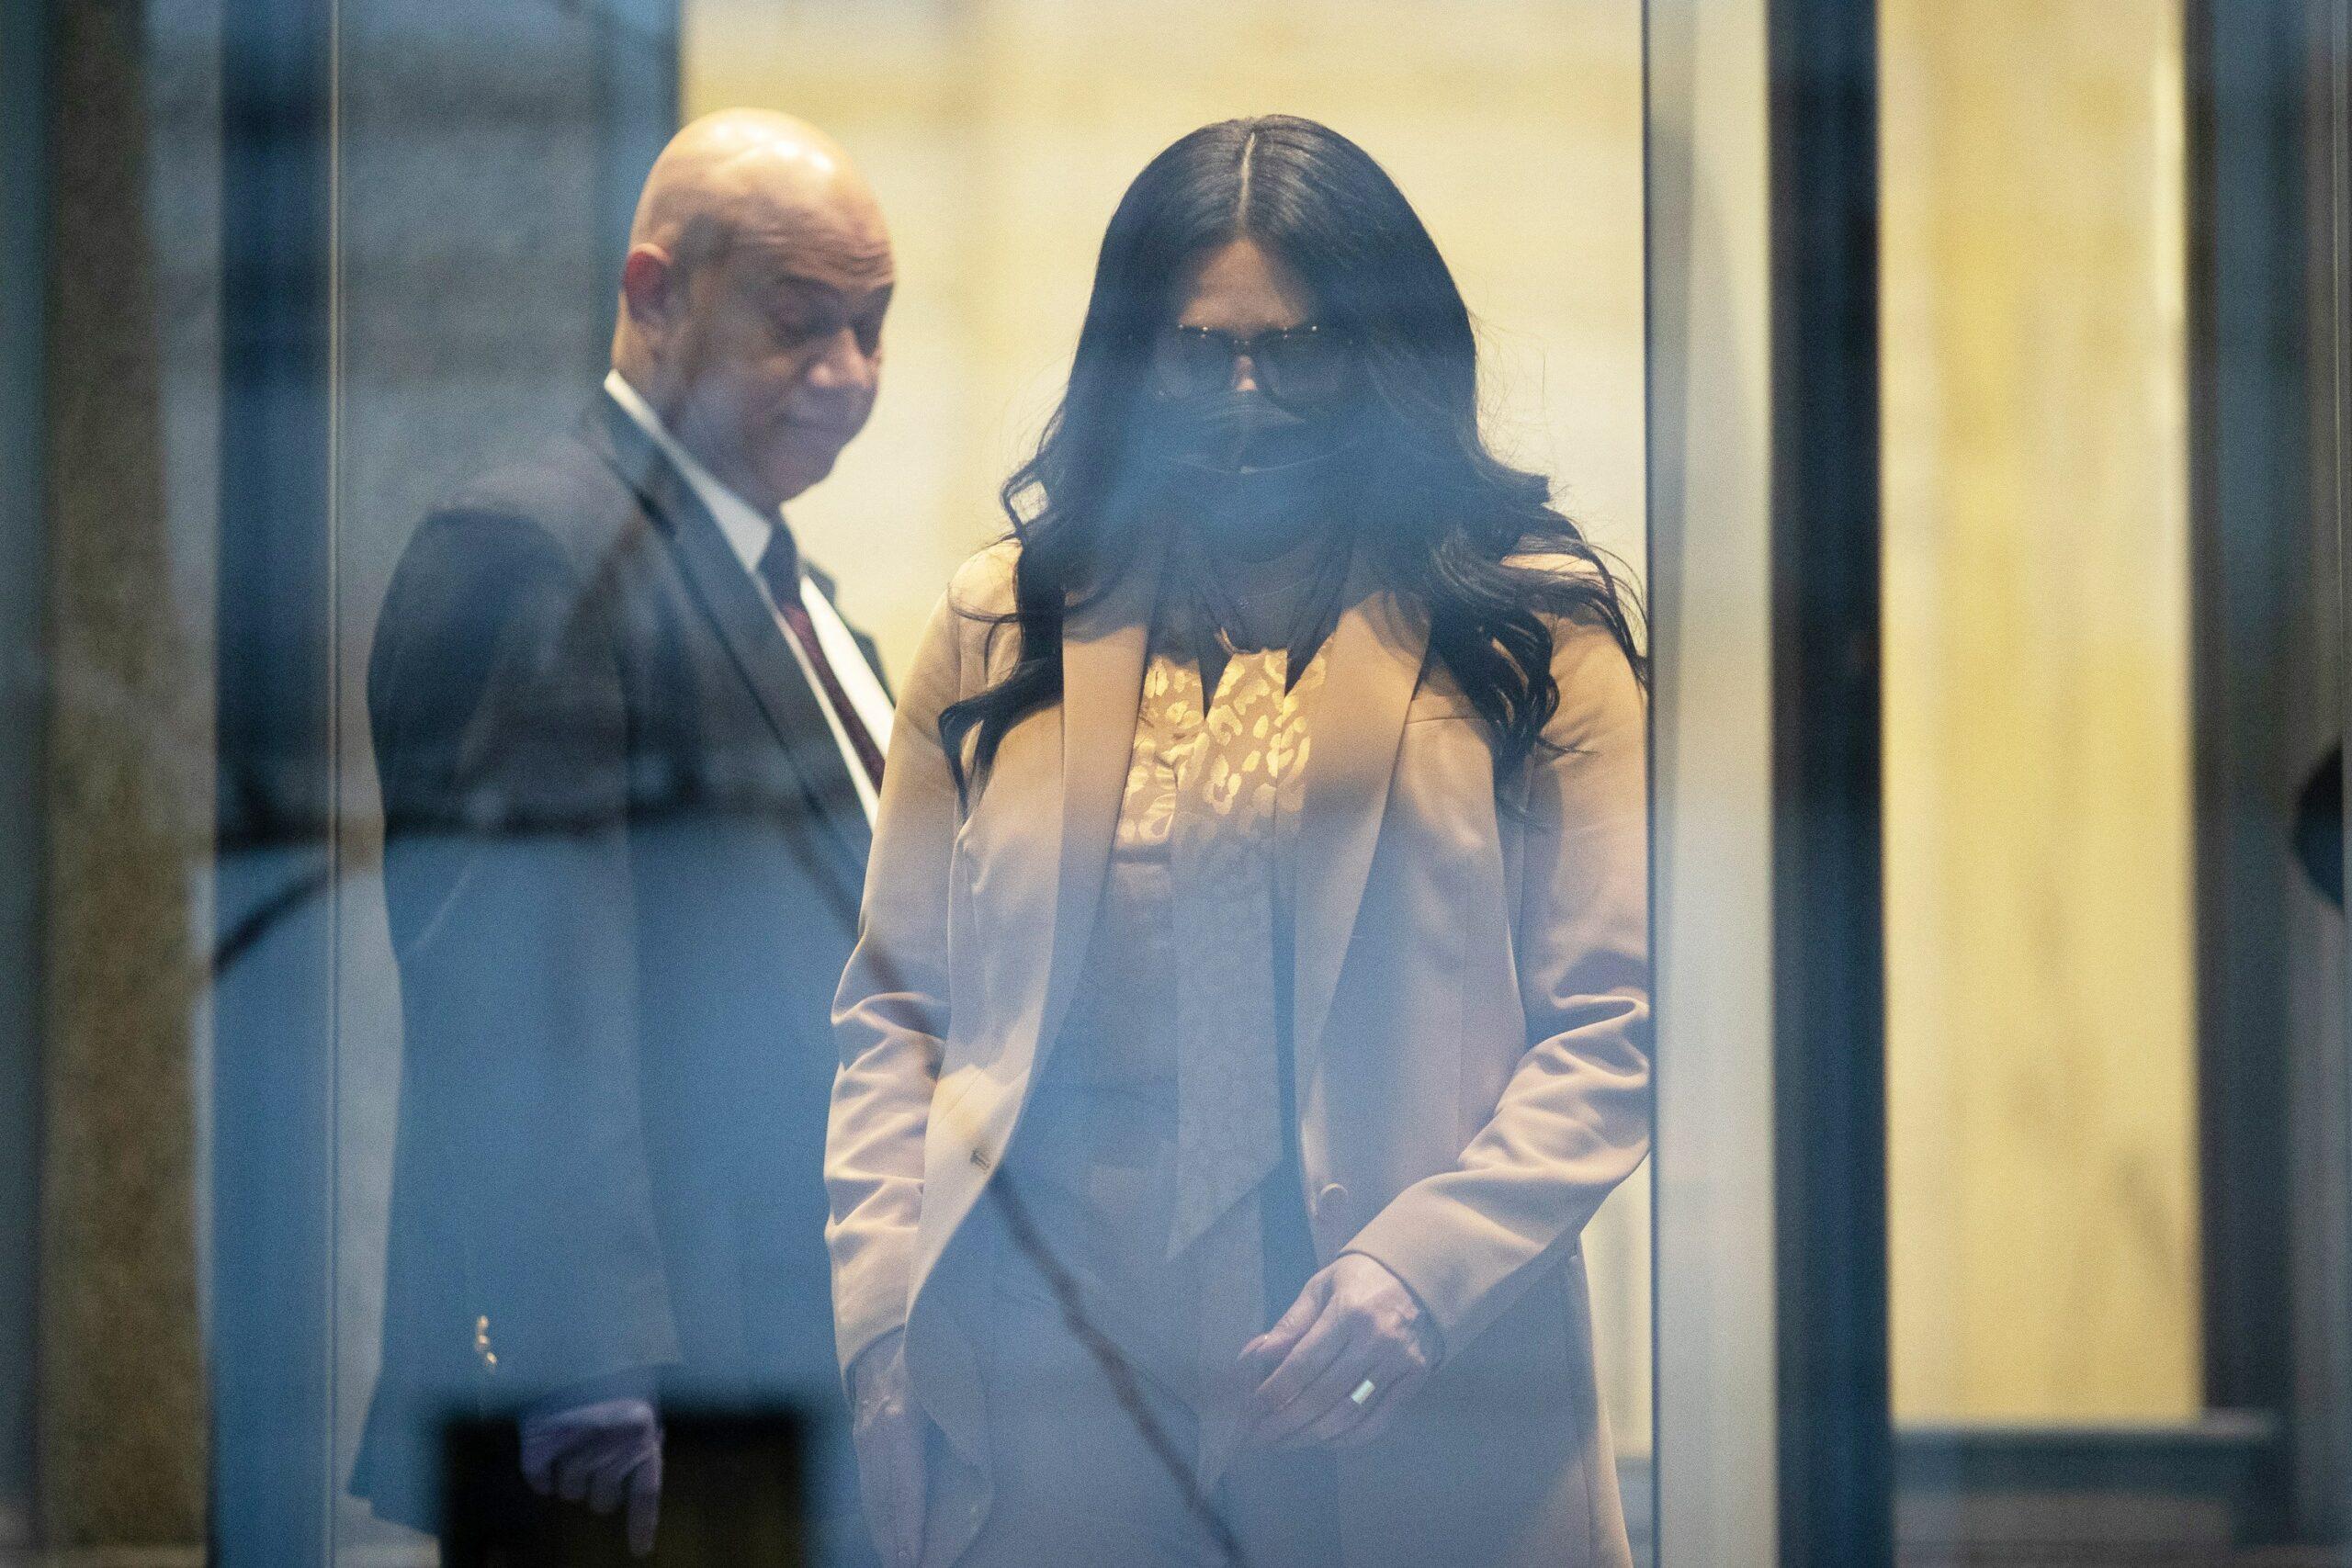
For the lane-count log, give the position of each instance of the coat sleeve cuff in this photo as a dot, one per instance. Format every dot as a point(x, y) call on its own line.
point(1463, 1279)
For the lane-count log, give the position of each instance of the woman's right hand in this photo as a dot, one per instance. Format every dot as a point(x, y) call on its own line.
point(887, 1428)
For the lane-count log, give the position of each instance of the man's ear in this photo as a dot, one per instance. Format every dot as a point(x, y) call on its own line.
point(648, 286)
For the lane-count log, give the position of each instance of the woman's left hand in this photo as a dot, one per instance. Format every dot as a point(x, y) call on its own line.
point(1354, 1322)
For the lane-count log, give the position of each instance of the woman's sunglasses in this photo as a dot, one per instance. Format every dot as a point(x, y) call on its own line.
point(1298, 366)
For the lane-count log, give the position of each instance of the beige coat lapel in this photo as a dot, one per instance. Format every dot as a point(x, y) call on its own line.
point(1075, 788)
point(1372, 665)
point(1103, 646)
point(1068, 783)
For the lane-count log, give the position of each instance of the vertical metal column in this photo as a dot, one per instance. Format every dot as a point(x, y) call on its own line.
point(2250, 386)
point(24, 235)
point(1708, 262)
point(1774, 1442)
point(2337, 56)
point(273, 1189)
point(1829, 1054)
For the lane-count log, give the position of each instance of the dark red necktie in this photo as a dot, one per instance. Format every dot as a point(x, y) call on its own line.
point(780, 570)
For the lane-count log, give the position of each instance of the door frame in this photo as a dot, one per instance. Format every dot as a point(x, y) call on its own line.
point(1773, 1430)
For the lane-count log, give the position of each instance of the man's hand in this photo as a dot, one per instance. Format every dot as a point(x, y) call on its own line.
point(1354, 1321)
point(888, 1431)
point(602, 1454)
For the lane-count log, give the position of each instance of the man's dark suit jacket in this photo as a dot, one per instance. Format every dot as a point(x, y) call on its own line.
point(623, 861)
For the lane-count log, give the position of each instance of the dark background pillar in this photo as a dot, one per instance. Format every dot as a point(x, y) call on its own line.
point(1829, 1001)
point(120, 1393)
point(24, 226)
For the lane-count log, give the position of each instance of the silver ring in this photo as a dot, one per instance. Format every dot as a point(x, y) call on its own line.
point(1365, 1391)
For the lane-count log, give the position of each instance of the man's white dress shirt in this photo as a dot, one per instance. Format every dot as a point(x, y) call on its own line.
point(748, 534)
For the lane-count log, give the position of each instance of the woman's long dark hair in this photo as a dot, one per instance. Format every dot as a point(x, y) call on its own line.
point(1444, 515)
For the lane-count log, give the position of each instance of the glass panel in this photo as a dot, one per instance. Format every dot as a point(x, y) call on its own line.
point(473, 314)
point(1709, 371)
point(621, 867)
point(487, 176)
point(2110, 672)
point(998, 156)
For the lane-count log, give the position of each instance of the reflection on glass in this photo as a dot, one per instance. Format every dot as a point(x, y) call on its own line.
point(1000, 144)
point(627, 736)
point(1211, 920)
point(628, 750)
point(1251, 998)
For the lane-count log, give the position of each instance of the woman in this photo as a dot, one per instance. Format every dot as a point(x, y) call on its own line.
point(1251, 1006)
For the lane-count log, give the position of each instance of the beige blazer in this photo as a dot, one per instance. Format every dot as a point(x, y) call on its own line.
point(1473, 1036)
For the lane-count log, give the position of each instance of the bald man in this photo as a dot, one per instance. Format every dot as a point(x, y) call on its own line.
point(630, 754)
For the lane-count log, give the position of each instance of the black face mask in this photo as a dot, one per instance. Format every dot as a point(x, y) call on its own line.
point(1256, 477)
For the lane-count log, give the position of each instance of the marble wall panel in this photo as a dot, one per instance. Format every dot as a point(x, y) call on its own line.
point(2036, 619)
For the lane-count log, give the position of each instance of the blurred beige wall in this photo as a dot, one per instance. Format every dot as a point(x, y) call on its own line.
point(1000, 133)
point(2041, 1064)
